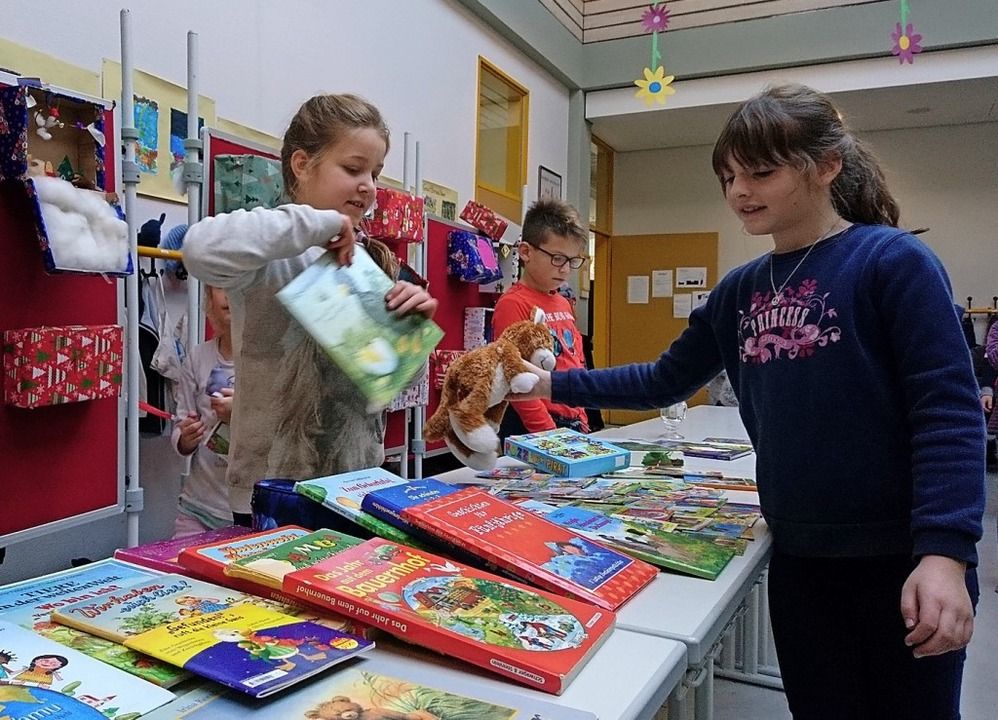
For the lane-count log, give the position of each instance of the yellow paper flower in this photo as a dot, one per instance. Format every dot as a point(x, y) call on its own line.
point(656, 86)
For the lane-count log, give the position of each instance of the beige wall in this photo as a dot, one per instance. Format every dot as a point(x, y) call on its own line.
point(945, 178)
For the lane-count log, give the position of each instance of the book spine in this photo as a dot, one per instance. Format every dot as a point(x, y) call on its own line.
point(427, 636)
point(152, 563)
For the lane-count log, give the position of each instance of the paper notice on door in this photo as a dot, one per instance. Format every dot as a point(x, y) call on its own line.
point(700, 298)
point(637, 289)
point(682, 305)
point(661, 283)
point(691, 277)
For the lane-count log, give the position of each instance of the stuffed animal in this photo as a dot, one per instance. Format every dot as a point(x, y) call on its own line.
point(343, 708)
point(473, 398)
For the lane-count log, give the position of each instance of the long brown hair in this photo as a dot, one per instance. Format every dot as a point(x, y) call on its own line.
point(320, 123)
point(798, 126)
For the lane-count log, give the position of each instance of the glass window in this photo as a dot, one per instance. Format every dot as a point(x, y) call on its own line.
point(501, 155)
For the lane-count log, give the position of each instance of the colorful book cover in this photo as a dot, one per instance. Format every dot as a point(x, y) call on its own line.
point(543, 553)
point(343, 308)
point(40, 678)
point(526, 635)
point(671, 551)
point(208, 561)
point(269, 567)
point(709, 450)
point(29, 604)
point(145, 605)
point(566, 453)
point(249, 648)
point(344, 494)
point(378, 686)
point(163, 555)
point(388, 503)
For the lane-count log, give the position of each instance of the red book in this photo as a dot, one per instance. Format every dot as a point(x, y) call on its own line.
point(543, 553)
point(526, 635)
point(163, 555)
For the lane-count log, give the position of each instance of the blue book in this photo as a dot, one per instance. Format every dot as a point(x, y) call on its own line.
point(388, 503)
point(567, 453)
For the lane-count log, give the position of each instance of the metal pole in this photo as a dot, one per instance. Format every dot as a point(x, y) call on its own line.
point(130, 179)
point(419, 413)
point(406, 414)
point(192, 175)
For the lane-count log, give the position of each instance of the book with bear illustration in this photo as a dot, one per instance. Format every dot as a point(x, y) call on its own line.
point(343, 308)
point(525, 635)
point(252, 649)
point(528, 546)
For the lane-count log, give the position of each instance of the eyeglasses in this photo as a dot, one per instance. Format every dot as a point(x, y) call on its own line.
point(559, 260)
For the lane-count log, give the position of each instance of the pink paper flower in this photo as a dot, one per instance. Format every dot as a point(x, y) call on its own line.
point(905, 43)
point(655, 18)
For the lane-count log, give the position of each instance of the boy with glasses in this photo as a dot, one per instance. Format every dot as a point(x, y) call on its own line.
point(553, 245)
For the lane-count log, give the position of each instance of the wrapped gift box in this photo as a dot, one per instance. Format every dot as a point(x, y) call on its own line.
point(440, 362)
point(416, 395)
point(397, 216)
point(471, 257)
point(477, 327)
point(247, 181)
point(63, 364)
point(485, 220)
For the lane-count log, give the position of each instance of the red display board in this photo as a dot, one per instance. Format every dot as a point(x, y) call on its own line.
point(61, 461)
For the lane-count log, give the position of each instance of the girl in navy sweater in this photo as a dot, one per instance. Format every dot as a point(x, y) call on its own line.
point(857, 390)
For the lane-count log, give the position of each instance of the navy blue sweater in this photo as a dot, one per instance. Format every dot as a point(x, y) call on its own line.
point(856, 390)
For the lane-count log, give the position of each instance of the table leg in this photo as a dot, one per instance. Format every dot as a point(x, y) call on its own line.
point(703, 704)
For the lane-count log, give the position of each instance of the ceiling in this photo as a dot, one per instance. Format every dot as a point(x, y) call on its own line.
point(596, 20)
point(942, 103)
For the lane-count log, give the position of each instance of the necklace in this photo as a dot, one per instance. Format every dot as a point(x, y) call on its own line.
point(778, 291)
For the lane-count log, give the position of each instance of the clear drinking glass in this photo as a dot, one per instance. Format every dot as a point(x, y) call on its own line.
point(673, 416)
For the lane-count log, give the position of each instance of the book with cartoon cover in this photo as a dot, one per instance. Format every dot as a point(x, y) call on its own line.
point(567, 453)
point(252, 649)
point(523, 634)
point(344, 494)
point(668, 550)
point(40, 678)
point(163, 554)
point(343, 308)
point(269, 567)
point(379, 685)
point(543, 553)
point(29, 603)
point(388, 503)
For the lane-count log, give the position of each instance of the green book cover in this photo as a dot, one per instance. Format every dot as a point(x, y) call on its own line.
point(343, 308)
point(270, 566)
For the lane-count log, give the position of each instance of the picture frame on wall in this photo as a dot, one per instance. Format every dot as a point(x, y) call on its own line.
point(548, 184)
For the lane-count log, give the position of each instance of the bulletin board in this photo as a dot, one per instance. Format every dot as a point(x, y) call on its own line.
point(454, 296)
point(61, 465)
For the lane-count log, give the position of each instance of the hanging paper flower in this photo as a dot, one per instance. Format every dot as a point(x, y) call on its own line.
point(906, 43)
point(656, 86)
point(655, 18)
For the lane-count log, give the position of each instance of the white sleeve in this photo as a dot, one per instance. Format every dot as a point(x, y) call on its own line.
point(229, 250)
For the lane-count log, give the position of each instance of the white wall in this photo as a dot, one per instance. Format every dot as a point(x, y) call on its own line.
point(417, 61)
point(945, 178)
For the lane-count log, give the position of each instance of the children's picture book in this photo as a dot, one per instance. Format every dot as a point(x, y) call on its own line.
point(377, 686)
point(40, 678)
point(668, 550)
point(709, 450)
point(208, 561)
point(525, 635)
point(343, 308)
point(29, 604)
point(218, 438)
point(269, 567)
point(388, 503)
point(163, 555)
point(567, 453)
point(344, 494)
point(145, 605)
point(530, 547)
point(250, 648)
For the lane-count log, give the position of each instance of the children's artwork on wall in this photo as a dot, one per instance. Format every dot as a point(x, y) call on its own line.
point(440, 200)
point(160, 110)
point(906, 40)
point(656, 86)
point(178, 133)
point(548, 184)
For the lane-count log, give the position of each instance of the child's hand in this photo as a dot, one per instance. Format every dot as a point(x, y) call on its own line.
point(936, 607)
point(342, 245)
point(405, 298)
point(541, 390)
point(221, 404)
point(987, 402)
point(191, 432)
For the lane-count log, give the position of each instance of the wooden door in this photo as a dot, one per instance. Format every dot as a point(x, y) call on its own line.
point(641, 332)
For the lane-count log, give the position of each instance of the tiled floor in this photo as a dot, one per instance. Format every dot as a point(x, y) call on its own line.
point(736, 701)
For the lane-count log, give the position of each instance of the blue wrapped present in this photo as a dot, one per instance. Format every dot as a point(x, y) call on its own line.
point(471, 258)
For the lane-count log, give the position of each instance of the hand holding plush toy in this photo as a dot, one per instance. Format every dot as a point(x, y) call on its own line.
point(473, 399)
